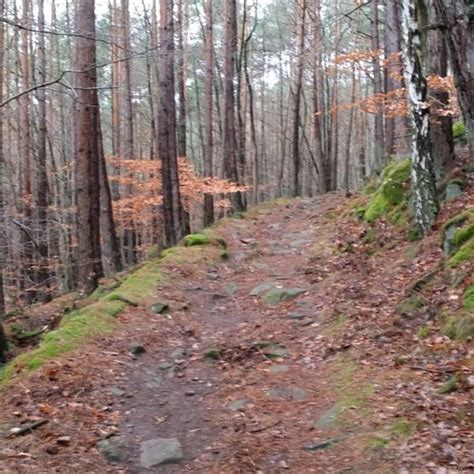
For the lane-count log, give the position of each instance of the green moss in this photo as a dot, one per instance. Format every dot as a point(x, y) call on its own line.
point(450, 386)
point(402, 428)
point(350, 389)
point(197, 239)
point(468, 298)
point(459, 130)
point(464, 254)
point(460, 327)
point(207, 237)
point(408, 306)
point(424, 332)
point(97, 318)
point(390, 193)
point(463, 235)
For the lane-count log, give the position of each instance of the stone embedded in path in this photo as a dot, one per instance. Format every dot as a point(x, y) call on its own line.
point(159, 307)
point(296, 315)
point(279, 369)
point(262, 288)
point(136, 349)
point(277, 295)
point(231, 289)
point(238, 405)
point(287, 393)
point(118, 392)
point(179, 354)
point(318, 445)
point(159, 451)
point(111, 450)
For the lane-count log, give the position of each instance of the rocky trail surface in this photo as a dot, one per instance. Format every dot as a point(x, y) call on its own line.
point(287, 357)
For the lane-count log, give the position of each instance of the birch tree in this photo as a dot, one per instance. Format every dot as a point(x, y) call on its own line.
point(423, 177)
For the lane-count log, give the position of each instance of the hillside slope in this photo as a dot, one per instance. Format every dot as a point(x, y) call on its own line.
point(315, 343)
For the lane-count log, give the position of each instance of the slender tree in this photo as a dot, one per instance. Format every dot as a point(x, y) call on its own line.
point(208, 110)
point(229, 158)
point(3, 340)
point(296, 93)
point(42, 187)
point(423, 176)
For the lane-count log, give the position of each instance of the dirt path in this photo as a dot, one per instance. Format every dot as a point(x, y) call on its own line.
point(236, 382)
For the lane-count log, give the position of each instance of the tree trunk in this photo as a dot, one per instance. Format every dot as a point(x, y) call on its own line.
point(379, 144)
point(441, 127)
point(457, 22)
point(423, 177)
point(167, 149)
point(395, 129)
point(318, 102)
point(110, 244)
point(297, 90)
point(181, 76)
point(42, 188)
point(229, 158)
point(86, 165)
point(208, 115)
point(3, 340)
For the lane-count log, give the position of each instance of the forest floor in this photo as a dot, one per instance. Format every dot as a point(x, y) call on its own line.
point(293, 355)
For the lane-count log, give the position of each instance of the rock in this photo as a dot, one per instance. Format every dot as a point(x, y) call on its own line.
point(136, 349)
point(470, 381)
point(213, 276)
point(449, 246)
point(64, 440)
point(118, 392)
point(155, 382)
point(328, 418)
point(111, 450)
point(296, 315)
point(190, 393)
point(165, 366)
point(157, 452)
point(299, 243)
point(272, 349)
point(52, 449)
point(159, 307)
point(238, 405)
point(179, 354)
point(453, 190)
point(275, 351)
point(213, 353)
point(276, 295)
point(231, 289)
point(279, 369)
point(219, 296)
point(262, 288)
point(316, 446)
point(287, 393)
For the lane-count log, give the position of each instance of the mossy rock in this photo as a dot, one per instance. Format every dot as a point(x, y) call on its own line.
point(458, 237)
point(391, 193)
point(460, 327)
point(463, 255)
point(277, 295)
point(410, 306)
point(203, 238)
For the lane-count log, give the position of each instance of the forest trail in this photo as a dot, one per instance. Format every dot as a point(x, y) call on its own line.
point(279, 359)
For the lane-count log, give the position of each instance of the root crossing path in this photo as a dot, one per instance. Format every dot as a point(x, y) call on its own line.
point(262, 363)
